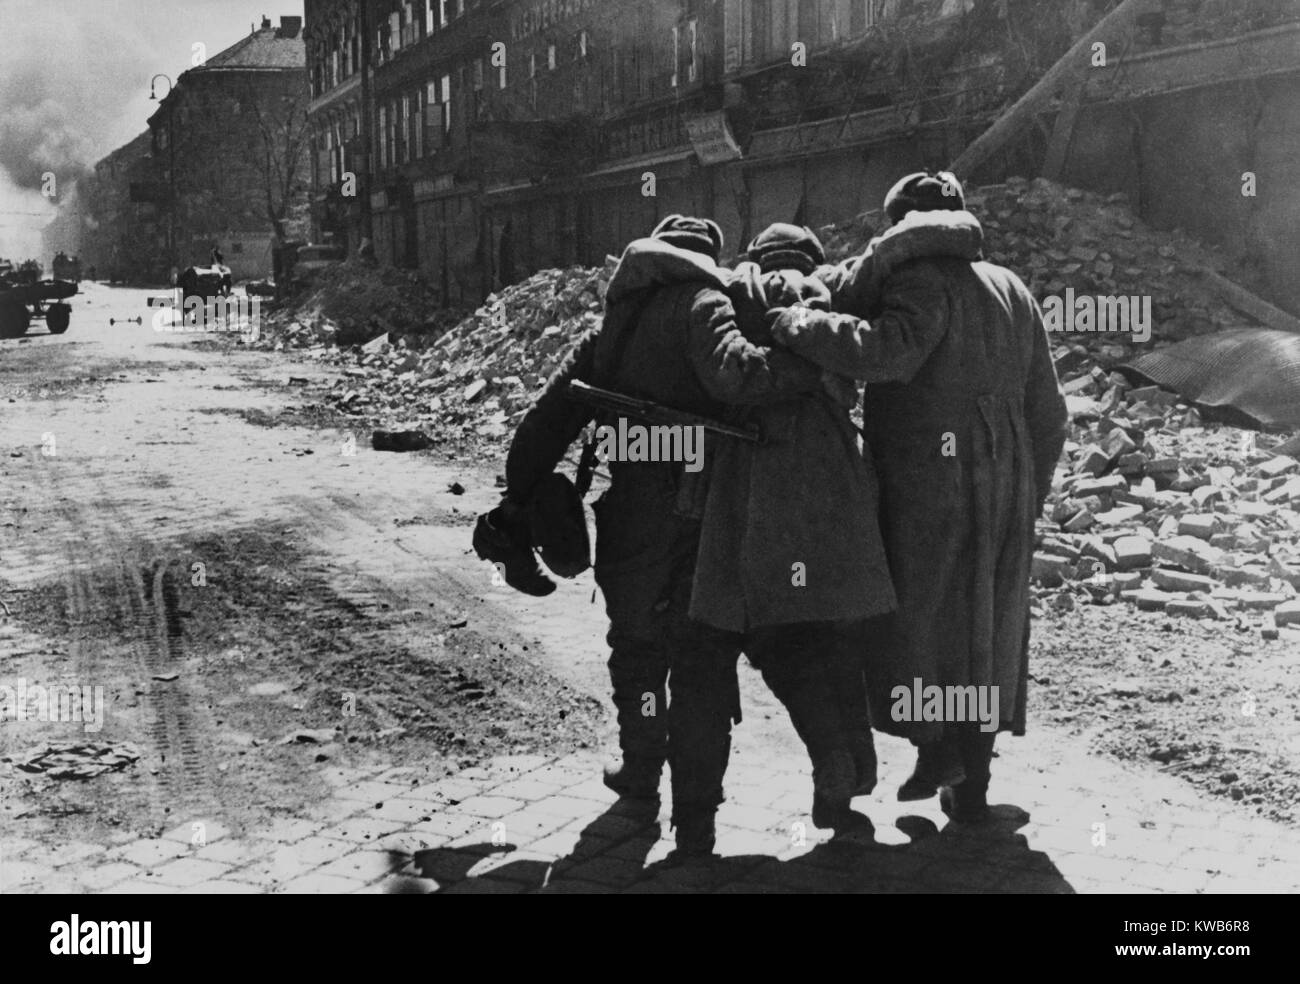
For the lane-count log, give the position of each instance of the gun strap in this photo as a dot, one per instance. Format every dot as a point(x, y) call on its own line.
point(586, 465)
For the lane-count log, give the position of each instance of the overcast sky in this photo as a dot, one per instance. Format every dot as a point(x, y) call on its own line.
point(74, 81)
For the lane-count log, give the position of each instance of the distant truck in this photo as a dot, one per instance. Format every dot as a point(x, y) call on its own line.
point(66, 267)
point(204, 283)
point(25, 297)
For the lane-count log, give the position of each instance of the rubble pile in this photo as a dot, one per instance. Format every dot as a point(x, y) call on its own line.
point(1056, 237)
point(482, 375)
point(1152, 508)
point(354, 302)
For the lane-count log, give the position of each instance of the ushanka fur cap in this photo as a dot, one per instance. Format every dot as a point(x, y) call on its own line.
point(782, 246)
point(687, 232)
point(925, 191)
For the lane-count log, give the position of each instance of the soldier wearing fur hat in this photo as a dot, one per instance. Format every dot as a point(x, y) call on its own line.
point(965, 421)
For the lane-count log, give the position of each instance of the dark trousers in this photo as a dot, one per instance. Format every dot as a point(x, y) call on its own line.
point(816, 670)
point(675, 688)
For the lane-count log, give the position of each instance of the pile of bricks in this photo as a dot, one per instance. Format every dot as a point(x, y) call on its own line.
point(1056, 237)
point(482, 375)
point(1152, 508)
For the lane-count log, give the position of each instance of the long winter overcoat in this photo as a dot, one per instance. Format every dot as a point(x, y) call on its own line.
point(789, 532)
point(965, 422)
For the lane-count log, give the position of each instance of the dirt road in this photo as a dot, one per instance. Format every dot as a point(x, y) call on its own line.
point(266, 607)
point(231, 569)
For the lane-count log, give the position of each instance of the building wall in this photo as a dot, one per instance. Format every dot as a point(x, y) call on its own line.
point(1181, 158)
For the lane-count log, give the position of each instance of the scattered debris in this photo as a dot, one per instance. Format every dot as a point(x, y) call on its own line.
point(309, 736)
point(78, 760)
point(400, 441)
point(1152, 507)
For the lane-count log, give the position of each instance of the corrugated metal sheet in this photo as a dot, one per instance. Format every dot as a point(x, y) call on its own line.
point(1254, 371)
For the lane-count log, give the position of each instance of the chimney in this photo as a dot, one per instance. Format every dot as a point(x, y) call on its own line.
point(289, 27)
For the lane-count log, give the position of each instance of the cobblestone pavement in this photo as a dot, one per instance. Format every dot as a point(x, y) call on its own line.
point(537, 823)
point(1066, 820)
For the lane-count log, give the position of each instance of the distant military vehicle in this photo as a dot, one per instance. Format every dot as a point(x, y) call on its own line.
point(66, 267)
point(25, 297)
point(205, 283)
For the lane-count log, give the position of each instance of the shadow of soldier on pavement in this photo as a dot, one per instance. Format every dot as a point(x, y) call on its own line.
point(611, 852)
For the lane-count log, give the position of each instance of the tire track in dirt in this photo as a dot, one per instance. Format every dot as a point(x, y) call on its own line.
point(111, 567)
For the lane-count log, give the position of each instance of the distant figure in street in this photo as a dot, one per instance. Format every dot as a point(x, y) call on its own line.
point(965, 420)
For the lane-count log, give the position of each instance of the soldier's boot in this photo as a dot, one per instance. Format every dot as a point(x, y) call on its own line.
point(835, 780)
point(705, 701)
point(639, 678)
point(967, 802)
point(845, 654)
point(864, 764)
point(696, 835)
point(938, 763)
point(634, 777)
point(801, 682)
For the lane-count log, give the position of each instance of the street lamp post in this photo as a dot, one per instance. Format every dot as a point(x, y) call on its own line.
point(171, 166)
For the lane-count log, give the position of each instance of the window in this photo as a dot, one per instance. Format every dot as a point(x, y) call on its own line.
point(446, 105)
point(761, 39)
point(404, 133)
point(394, 31)
point(478, 74)
point(862, 16)
point(433, 116)
point(692, 49)
point(582, 44)
point(409, 33)
point(383, 137)
point(428, 18)
point(532, 65)
point(808, 22)
point(550, 57)
point(417, 125)
point(676, 57)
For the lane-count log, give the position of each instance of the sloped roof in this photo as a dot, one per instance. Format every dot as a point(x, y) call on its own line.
point(265, 48)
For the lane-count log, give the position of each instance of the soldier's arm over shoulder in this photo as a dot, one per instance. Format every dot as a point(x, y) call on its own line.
point(733, 369)
point(553, 423)
point(892, 346)
point(1045, 410)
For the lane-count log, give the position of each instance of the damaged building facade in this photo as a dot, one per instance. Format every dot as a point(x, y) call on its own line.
point(224, 162)
point(478, 141)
